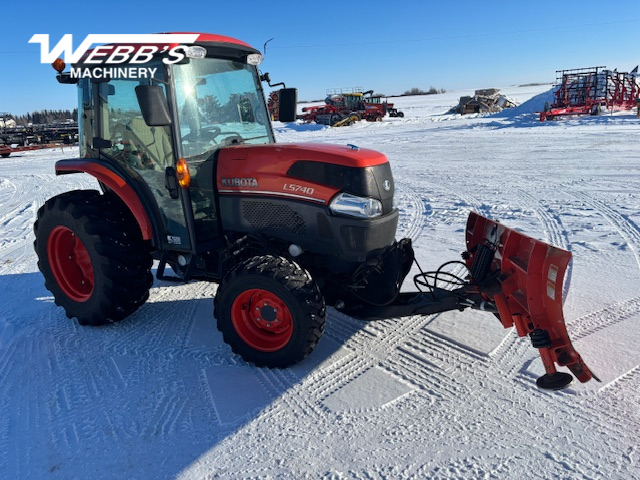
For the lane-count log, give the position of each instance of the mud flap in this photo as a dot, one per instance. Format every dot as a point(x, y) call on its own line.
point(524, 277)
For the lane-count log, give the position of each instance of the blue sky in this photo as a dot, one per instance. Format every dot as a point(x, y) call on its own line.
point(386, 46)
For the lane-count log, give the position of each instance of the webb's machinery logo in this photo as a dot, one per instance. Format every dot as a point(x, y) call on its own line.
point(102, 61)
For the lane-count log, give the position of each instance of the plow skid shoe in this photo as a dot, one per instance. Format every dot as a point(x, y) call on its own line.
point(524, 277)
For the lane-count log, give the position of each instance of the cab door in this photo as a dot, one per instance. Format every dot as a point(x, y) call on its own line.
point(145, 152)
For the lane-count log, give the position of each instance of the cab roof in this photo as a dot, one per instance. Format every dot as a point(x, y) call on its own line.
point(215, 44)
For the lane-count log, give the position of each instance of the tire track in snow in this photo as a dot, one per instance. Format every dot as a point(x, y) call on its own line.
point(340, 374)
point(626, 227)
point(601, 319)
point(430, 361)
point(417, 213)
point(21, 198)
point(403, 347)
point(555, 231)
point(16, 222)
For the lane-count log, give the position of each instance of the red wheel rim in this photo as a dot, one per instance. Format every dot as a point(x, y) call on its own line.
point(262, 320)
point(70, 264)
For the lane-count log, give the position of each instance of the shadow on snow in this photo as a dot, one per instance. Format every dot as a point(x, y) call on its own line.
point(143, 398)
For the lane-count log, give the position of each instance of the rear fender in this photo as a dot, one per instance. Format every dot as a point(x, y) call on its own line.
point(116, 183)
point(525, 280)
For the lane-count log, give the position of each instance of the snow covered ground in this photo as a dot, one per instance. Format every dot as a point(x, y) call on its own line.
point(444, 396)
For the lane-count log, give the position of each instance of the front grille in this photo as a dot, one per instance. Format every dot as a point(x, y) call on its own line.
point(273, 217)
point(360, 181)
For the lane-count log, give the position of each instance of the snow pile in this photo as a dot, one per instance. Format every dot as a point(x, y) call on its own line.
point(534, 105)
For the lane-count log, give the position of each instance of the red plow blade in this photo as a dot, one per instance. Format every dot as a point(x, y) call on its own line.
point(524, 277)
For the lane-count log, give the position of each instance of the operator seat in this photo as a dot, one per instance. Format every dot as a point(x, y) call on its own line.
point(155, 142)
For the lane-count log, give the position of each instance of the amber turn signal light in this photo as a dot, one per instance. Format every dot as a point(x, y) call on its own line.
point(182, 173)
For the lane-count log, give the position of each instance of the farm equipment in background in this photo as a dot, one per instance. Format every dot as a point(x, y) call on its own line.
point(589, 91)
point(18, 139)
point(6, 150)
point(284, 229)
point(272, 106)
point(344, 106)
point(486, 100)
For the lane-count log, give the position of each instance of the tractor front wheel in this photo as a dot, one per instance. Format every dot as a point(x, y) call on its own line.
point(92, 256)
point(270, 311)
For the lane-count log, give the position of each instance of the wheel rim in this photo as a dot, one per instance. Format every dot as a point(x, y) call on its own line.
point(262, 320)
point(70, 264)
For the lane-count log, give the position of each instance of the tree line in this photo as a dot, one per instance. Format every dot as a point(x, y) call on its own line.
point(419, 91)
point(45, 116)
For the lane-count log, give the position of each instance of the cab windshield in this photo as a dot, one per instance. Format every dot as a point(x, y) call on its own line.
point(219, 103)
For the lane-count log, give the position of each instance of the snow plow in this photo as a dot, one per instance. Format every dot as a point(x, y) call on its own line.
point(284, 229)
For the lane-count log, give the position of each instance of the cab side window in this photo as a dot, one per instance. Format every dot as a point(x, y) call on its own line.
point(134, 143)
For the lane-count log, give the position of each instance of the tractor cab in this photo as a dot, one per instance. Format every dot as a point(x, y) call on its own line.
point(353, 101)
point(163, 132)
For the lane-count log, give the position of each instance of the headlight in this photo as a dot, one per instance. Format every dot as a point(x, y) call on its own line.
point(360, 207)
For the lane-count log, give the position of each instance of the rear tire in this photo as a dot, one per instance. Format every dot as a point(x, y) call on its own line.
point(270, 311)
point(92, 256)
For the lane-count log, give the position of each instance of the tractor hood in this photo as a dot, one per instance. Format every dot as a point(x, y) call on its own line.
point(309, 171)
point(346, 155)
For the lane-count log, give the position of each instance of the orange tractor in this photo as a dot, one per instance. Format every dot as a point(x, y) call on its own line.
point(191, 176)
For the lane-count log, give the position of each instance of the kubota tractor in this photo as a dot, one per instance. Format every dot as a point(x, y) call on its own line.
point(191, 176)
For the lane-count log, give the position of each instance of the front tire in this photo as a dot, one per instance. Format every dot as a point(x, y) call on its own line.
point(270, 311)
point(92, 256)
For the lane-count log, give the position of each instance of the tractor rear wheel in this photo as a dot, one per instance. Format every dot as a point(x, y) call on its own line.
point(92, 256)
point(270, 311)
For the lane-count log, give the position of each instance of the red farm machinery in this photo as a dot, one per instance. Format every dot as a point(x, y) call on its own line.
point(344, 106)
point(590, 91)
point(15, 139)
point(285, 230)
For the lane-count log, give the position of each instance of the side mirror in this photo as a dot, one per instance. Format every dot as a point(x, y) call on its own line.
point(153, 104)
point(287, 104)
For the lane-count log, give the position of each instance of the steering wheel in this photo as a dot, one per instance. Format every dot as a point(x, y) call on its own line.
point(206, 133)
